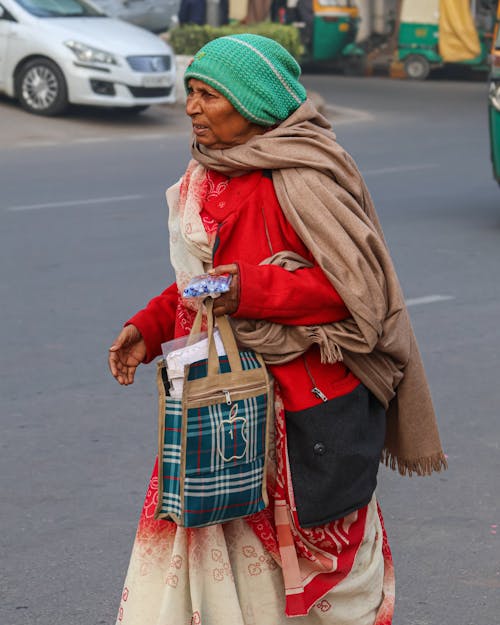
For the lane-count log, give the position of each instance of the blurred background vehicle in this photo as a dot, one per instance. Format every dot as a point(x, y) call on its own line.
point(56, 52)
point(328, 31)
point(154, 15)
point(494, 101)
point(435, 32)
point(357, 36)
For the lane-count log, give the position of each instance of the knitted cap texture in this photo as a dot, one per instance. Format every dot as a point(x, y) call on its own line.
point(256, 74)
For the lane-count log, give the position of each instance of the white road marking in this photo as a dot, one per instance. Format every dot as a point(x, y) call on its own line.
point(97, 200)
point(346, 115)
point(161, 136)
point(428, 299)
point(91, 140)
point(398, 168)
point(156, 137)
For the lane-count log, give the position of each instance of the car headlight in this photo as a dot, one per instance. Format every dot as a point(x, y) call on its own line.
point(87, 54)
point(495, 94)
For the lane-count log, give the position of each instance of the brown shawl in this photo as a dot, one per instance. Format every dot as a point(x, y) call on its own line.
point(324, 197)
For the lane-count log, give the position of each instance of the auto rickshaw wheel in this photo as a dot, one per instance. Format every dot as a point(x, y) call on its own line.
point(417, 67)
point(354, 65)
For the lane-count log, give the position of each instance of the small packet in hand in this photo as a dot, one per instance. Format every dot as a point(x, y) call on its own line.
point(206, 285)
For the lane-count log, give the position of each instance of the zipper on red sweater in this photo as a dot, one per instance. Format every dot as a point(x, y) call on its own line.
point(315, 390)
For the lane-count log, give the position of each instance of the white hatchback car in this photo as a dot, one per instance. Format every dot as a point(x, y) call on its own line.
point(55, 52)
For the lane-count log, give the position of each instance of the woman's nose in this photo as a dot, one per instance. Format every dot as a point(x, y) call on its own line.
point(192, 104)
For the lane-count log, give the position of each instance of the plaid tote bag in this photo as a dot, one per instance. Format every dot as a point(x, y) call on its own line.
point(212, 442)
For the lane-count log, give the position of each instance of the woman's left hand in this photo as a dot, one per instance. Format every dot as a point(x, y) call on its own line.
point(227, 303)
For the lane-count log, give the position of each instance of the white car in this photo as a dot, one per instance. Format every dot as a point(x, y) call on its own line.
point(55, 52)
point(154, 15)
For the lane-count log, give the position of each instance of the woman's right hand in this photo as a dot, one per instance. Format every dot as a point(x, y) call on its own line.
point(126, 354)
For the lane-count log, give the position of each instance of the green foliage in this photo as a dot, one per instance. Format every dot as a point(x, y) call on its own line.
point(188, 39)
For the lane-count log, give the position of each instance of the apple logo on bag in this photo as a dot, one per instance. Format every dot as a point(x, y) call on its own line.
point(232, 440)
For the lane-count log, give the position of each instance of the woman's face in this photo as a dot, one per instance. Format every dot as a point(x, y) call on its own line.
point(216, 123)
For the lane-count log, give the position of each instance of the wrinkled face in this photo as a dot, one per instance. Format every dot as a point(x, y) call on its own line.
point(216, 123)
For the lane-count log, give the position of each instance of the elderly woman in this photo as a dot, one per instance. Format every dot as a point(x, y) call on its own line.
point(271, 198)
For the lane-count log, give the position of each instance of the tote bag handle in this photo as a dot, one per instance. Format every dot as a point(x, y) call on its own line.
point(196, 327)
point(228, 340)
point(226, 334)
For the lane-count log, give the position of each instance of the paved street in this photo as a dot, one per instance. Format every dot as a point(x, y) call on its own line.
point(83, 245)
point(85, 125)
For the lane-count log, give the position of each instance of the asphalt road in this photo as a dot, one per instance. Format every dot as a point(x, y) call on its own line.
point(83, 245)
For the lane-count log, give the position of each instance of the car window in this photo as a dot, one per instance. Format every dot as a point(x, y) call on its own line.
point(59, 8)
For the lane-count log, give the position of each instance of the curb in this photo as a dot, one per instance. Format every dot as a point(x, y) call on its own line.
point(181, 63)
point(318, 101)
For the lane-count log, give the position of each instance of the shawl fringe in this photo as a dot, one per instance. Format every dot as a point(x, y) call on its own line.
point(330, 352)
point(420, 466)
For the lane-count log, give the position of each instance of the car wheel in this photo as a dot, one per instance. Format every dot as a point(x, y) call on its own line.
point(417, 67)
point(41, 87)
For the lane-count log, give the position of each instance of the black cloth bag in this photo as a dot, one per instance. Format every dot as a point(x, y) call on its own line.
point(334, 452)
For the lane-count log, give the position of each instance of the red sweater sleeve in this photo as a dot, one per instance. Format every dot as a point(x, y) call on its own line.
point(156, 322)
point(300, 297)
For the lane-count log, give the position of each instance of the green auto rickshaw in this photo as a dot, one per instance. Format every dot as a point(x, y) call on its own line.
point(328, 31)
point(435, 32)
point(494, 101)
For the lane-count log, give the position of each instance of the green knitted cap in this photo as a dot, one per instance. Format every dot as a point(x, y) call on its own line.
point(256, 74)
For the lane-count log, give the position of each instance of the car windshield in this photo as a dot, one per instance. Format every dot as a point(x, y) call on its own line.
point(60, 8)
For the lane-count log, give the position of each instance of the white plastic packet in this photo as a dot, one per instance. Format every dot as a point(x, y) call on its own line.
point(178, 354)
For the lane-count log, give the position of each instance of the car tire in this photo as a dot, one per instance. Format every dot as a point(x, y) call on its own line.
point(417, 67)
point(41, 88)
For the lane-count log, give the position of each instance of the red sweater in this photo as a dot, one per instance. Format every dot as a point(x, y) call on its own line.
point(252, 227)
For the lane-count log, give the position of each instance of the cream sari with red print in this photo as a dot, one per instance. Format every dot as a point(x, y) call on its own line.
point(262, 570)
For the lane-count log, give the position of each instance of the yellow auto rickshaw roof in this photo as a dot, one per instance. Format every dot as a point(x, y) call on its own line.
point(420, 11)
point(335, 7)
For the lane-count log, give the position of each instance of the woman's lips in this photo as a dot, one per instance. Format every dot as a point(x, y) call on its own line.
point(198, 129)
